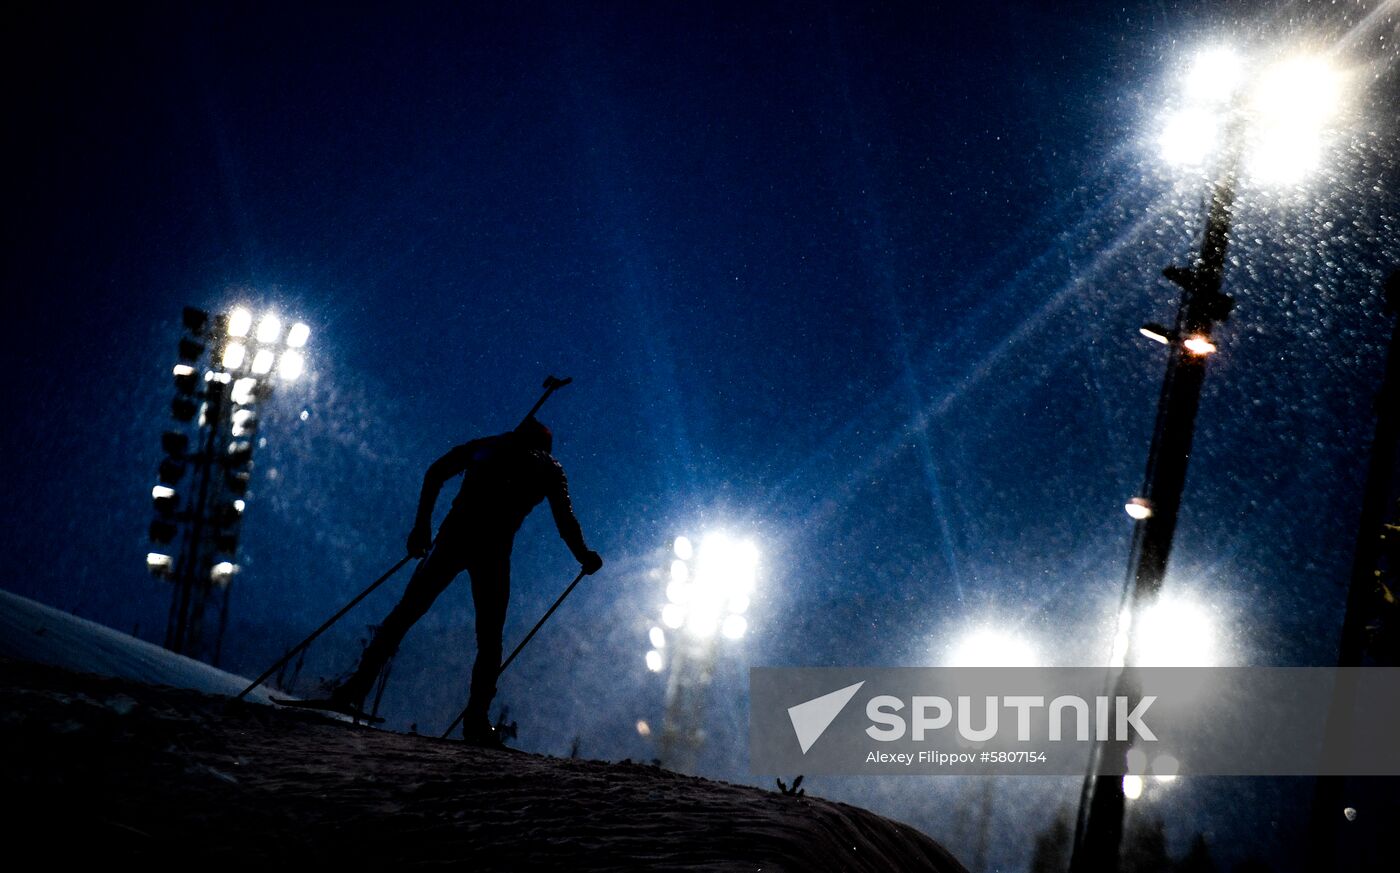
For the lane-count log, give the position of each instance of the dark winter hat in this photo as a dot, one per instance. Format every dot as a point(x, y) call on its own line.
point(535, 435)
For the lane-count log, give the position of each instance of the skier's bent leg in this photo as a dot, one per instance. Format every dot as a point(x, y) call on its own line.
point(490, 594)
point(429, 580)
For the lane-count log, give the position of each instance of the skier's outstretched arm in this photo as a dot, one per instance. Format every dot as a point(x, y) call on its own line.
point(567, 522)
point(451, 464)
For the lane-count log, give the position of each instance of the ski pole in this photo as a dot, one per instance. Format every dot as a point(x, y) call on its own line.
point(539, 624)
point(322, 629)
point(551, 385)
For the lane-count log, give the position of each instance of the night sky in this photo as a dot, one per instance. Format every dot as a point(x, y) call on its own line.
point(859, 281)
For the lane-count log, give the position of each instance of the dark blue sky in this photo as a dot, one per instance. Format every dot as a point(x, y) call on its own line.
point(861, 282)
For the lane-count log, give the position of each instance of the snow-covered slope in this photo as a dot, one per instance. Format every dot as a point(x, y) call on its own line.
point(31, 631)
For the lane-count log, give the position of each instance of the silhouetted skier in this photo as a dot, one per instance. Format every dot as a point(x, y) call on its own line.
point(504, 478)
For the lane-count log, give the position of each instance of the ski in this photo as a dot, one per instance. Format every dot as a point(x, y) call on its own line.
point(327, 705)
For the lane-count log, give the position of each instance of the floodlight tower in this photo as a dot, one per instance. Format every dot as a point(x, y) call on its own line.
point(1272, 128)
point(708, 592)
point(225, 370)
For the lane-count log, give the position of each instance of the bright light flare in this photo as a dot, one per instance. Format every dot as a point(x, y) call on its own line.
point(986, 647)
point(240, 320)
point(673, 615)
point(684, 549)
point(162, 491)
point(242, 392)
point(158, 563)
point(1132, 787)
point(1189, 137)
point(291, 366)
point(1138, 508)
point(658, 638)
point(1173, 632)
point(262, 362)
point(269, 329)
point(734, 627)
point(1291, 107)
point(298, 335)
point(222, 572)
point(1215, 75)
point(1156, 333)
point(1199, 345)
point(234, 355)
point(654, 663)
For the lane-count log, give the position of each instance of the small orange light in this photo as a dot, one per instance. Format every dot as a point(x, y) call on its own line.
point(1199, 345)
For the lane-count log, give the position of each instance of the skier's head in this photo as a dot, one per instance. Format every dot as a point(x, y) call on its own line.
point(535, 435)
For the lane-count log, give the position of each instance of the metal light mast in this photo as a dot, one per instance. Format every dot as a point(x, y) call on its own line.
point(225, 371)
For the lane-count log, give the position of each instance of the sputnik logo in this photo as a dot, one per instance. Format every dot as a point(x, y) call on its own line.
point(811, 719)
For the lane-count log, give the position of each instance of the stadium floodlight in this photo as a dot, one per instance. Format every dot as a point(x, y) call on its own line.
point(158, 563)
point(244, 422)
point(235, 353)
point(222, 573)
point(992, 647)
point(240, 321)
point(1156, 332)
point(683, 548)
point(166, 501)
point(1215, 76)
point(654, 661)
point(262, 362)
point(269, 329)
point(298, 335)
point(186, 378)
point(1279, 119)
point(673, 615)
point(658, 638)
point(1138, 508)
point(244, 390)
point(291, 366)
point(1199, 344)
point(734, 626)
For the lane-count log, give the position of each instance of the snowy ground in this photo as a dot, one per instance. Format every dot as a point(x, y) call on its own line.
point(108, 768)
point(31, 631)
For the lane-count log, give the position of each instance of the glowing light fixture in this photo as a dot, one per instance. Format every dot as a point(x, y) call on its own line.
point(269, 329)
point(298, 335)
point(158, 563)
point(987, 647)
point(1132, 787)
point(1216, 74)
point(1139, 508)
point(1175, 631)
point(291, 366)
point(234, 355)
point(243, 389)
point(262, 362)
point(734, 626)
point(684, 549)
point(654, 662)
point(658, 638)
point(1189, 136)
point(1199, 344)
point(1156, 332)
point(240, 320)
